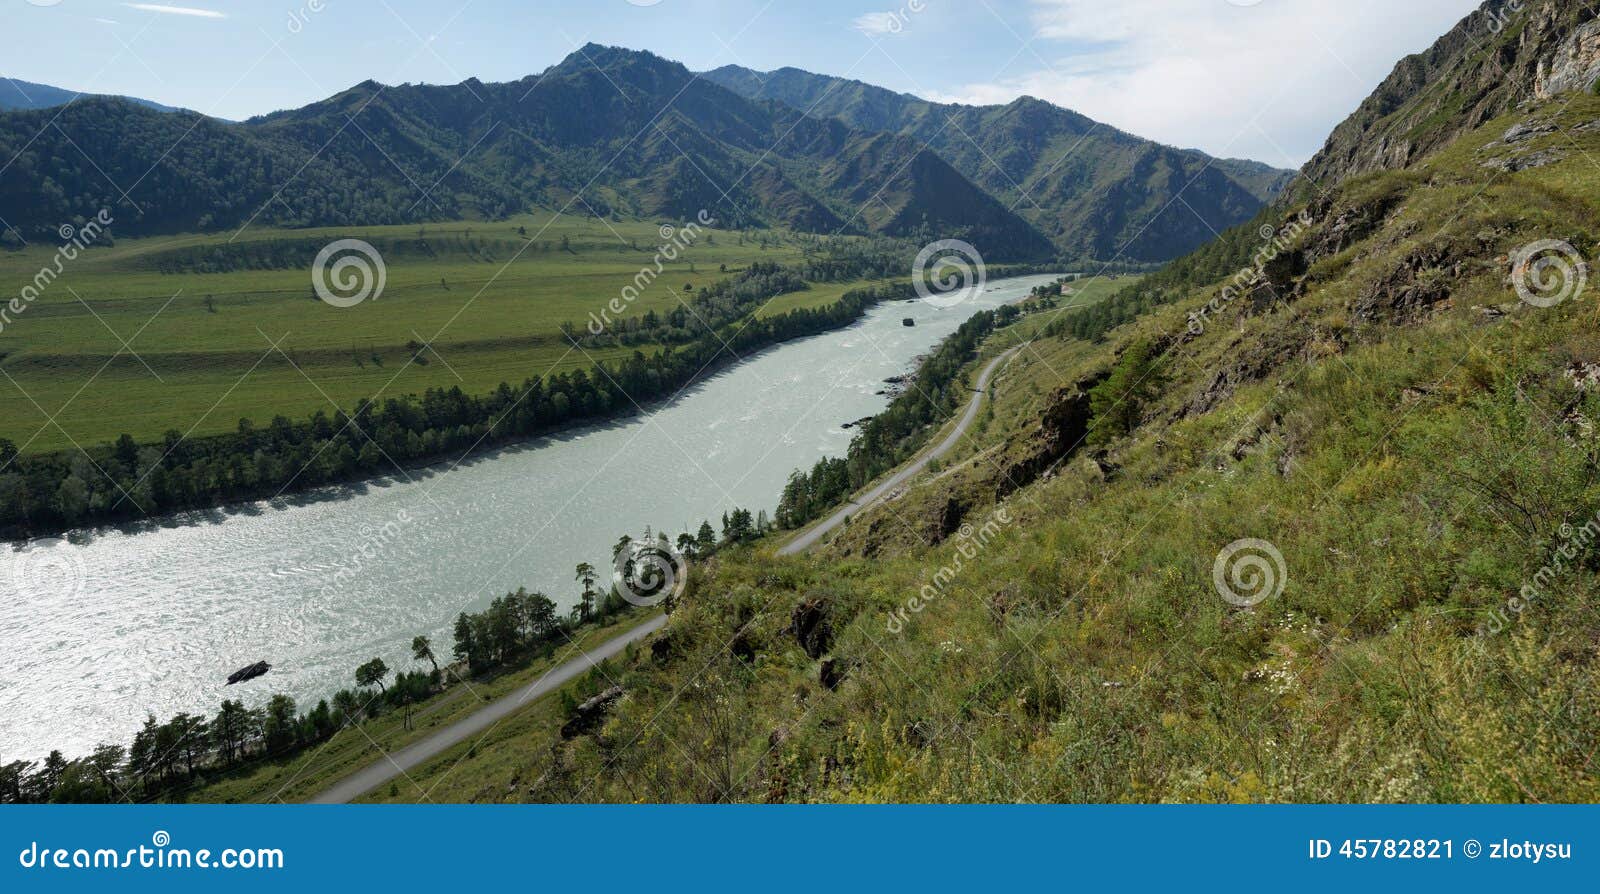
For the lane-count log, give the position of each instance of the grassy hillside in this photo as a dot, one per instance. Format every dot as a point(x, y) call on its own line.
point(1040, 620)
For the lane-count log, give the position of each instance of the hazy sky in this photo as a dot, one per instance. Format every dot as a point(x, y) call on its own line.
point(1264, 79)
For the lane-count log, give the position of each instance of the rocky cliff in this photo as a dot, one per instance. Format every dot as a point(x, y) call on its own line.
point(1505, 53)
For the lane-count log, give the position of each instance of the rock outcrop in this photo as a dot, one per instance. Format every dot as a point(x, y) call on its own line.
point(1506, 53)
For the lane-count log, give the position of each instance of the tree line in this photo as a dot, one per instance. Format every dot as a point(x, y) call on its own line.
point(165, 759)
point(129, 480)
point(892, 436)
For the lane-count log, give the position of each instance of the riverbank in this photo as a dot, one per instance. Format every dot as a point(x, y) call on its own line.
point(129, 483)
point(163, 615)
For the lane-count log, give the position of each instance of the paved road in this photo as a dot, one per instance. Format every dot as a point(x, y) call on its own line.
point(369, 778)
point(387, 768)
point(809, 538)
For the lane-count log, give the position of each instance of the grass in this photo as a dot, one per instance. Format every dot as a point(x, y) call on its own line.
point(303, 775)
point(200, 349)
point(819, 295)
point(1416, 472)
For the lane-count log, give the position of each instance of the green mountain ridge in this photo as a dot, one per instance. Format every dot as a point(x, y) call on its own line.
point(606, 131)
point(1095, 190)
point(16, 93)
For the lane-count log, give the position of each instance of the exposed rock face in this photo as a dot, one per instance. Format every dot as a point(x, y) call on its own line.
point(949, 520)
point(1527, 130)
point(811, 627)
point(1422, 279)
point(1514, 163)
point(830, 674)
point(1576, 66)
point(1062, 430)
point(1535, 49)
point(1343, 226)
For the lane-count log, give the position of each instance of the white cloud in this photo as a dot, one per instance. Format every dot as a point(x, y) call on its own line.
point(1267, 81)
point(877, 24)
point(176, 10)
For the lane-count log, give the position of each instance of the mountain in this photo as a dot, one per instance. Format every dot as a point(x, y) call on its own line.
point(1492, 61)
point(19, 94)
point(605, 131)
point(1307, 519)
point(1096, 191)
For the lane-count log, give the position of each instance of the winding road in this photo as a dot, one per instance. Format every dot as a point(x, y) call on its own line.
point(809, 539)
point(485, 718)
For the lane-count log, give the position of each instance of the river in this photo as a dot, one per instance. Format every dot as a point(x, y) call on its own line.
point(151, 620)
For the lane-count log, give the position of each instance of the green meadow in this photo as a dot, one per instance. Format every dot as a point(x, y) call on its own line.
point(194, 333)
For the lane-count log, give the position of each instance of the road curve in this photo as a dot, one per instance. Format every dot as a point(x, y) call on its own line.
point(809, 539)
point(392, 765)
point(376, 774)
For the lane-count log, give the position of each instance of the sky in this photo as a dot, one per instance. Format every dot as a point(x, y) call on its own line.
point(1262, 79)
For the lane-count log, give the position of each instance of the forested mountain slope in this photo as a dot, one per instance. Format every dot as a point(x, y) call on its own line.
point(1090, 187)
point(618, 131)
